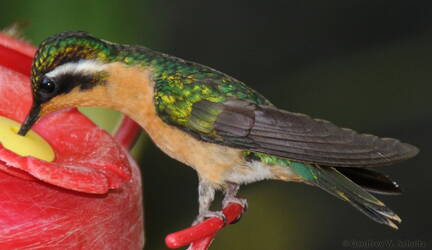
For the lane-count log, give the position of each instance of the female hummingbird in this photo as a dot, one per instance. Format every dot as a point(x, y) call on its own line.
point(226, 131)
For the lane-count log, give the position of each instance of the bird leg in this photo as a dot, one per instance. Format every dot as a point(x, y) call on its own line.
point(231, 191)
point(206, 193)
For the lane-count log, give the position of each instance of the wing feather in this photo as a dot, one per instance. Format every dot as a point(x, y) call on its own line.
point(265, 129)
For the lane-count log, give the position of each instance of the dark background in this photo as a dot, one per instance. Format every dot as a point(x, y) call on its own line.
point(361, 64)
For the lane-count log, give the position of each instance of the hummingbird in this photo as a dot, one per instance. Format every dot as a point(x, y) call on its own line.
point(229, 133)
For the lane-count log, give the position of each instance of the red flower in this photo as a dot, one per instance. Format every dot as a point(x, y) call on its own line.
point(88, 197)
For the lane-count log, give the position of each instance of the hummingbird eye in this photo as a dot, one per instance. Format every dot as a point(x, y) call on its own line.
point(47, 85)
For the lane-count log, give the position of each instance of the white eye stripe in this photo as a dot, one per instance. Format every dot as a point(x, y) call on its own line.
point(82, 66)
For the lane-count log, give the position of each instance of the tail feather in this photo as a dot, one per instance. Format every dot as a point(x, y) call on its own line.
point(335, 183)
point(371, 180)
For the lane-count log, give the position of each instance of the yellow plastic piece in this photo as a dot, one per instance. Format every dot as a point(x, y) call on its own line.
point(30, 145)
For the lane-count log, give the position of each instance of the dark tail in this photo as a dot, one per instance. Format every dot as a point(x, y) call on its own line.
point(333, 181)
point(372, 181)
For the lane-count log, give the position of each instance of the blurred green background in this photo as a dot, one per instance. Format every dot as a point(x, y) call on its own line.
point(361, 64)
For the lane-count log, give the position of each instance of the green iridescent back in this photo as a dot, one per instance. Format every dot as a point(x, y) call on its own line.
point(186, 83)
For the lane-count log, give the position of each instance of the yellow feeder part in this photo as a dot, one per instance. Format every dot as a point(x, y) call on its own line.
point(30, 145)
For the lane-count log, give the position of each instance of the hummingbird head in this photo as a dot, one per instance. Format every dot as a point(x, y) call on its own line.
point(65, 63)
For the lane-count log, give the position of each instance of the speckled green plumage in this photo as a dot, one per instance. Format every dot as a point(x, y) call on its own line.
point(177, 91)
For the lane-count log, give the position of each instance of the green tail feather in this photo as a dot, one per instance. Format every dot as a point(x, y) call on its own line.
point(332, 181)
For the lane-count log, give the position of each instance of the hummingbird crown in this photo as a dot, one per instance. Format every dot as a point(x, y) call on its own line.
point(64, 48)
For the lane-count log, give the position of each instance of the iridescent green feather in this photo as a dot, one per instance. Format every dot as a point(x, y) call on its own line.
point(303, 170)
point(188, 83)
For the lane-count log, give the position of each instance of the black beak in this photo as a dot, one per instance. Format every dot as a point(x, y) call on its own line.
point(32, 117)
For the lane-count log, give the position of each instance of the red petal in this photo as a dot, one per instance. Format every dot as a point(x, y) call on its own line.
point(17, 45)
point(34, 215)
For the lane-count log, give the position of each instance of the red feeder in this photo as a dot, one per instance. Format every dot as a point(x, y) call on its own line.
point(88, 197)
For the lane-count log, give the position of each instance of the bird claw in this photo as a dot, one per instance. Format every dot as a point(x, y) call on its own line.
point(210, 214)
point(200, 236)
point(242, 202)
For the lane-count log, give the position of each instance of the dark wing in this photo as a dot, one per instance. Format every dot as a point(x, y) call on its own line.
point(265, 129)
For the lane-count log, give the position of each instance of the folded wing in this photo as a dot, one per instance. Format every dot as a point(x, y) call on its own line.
point(265, 129)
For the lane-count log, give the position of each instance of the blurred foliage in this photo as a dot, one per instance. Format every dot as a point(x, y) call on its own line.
point(362, 64)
